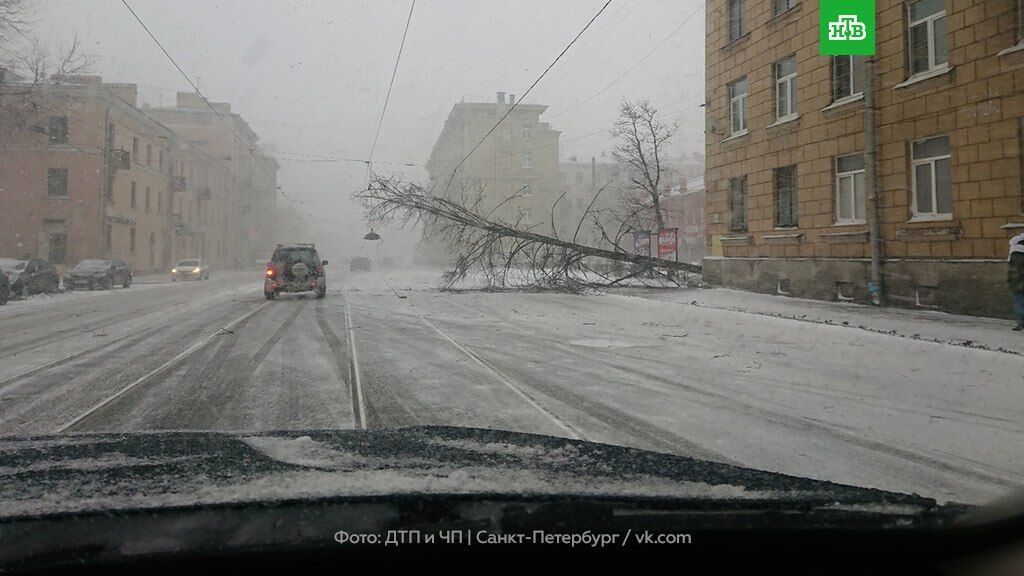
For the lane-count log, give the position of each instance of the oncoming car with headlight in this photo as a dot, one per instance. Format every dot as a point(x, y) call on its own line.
point(191, 269)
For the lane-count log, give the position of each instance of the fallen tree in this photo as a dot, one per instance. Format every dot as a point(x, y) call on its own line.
point(480, 240)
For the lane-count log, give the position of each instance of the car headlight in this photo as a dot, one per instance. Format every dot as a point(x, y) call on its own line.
point(174, 270)
point(195, 270)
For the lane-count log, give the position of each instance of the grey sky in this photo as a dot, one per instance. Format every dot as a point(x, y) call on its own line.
point(311, 75)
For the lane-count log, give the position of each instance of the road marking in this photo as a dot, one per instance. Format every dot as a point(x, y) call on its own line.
point(191, 350)
point(359, 406)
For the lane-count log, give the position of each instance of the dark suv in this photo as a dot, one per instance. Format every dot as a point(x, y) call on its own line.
point(295, 268)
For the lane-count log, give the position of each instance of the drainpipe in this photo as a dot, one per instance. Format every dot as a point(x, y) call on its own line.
point(876, 285)
point(108, 182)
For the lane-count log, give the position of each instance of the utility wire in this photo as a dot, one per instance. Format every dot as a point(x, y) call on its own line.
point(633, 67)
point(523, 97)
point(394, 72)
point(252, 151)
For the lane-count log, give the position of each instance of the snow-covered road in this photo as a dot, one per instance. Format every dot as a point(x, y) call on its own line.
point(761, 390)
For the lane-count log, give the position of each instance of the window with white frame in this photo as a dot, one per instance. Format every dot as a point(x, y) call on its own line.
point(527, 161)
point(527, 188)
point(932, 182)
point(927, 35)
point(780, 6)
point(847, 77)
point(737, 19)
point(850, 189)
point(738, 107)
point(526, 133)
point(785, 88)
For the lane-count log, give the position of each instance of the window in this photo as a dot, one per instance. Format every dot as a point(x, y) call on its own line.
point(526, 215)
point(780, 6)
point(160, 159)
point(131, 239)
point(785, 89)
point(932, 183)
point(927, 33)
point(738, 203)
point(785, 197)
point(850, 189)
point(133, 200)
point(135, 149)
point(149, 155)
point(738, 107)
point(526, 133)
point(737, 24)
point(159, 202)
point(1020, 20)
point(108, 237)
point(58, 130)
point(57, 182)
point(147, 198)
point(527, 161)
point(527, 188)
point(847, 77)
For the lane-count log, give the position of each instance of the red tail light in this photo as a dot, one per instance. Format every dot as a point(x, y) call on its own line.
point(271, 272)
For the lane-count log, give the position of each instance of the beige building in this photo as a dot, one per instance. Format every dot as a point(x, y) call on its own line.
point(83, 174)
point(786, 141)
point(519, 159)
point(238, 182)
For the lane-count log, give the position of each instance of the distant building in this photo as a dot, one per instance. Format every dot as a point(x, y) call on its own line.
point(520, 159)
point(786, 152)
point(241, 212)
point(85, 173)
point(592, 185)
point(685, 210)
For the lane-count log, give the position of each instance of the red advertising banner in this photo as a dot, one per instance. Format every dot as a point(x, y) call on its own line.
point(668, 245)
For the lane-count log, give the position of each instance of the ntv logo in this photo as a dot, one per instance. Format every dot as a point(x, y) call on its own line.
point(847, 27)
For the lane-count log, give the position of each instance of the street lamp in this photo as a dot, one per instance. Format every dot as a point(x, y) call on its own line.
point(371, 235)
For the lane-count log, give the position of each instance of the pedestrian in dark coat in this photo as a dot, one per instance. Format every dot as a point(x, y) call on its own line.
point(1015, 278)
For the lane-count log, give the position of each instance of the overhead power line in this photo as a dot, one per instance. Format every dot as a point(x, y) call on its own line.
point(633, 67)
point(252, 151)
point(394, 72)
point(525, 94)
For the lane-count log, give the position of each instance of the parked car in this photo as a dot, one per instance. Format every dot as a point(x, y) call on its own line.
point(359, 263)
point(190, 269)
point(5, 289)
point(295, 268)
point(95, 273)
point(31, 276)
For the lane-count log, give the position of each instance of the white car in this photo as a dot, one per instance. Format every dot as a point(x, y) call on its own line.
point(190, 269)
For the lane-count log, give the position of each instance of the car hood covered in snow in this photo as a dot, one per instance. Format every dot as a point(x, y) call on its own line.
point(41, 476)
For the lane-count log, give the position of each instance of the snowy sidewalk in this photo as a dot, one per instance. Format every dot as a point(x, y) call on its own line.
point(973, 332)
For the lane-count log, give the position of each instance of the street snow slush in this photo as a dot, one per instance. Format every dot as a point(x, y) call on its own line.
point(295, 268)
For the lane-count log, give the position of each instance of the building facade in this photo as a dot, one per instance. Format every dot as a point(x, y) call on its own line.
point(237, 181)
point(85, 173)
point(514, 170)
point(786, 193)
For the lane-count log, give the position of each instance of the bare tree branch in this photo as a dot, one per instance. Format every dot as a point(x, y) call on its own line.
point(495, 248)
